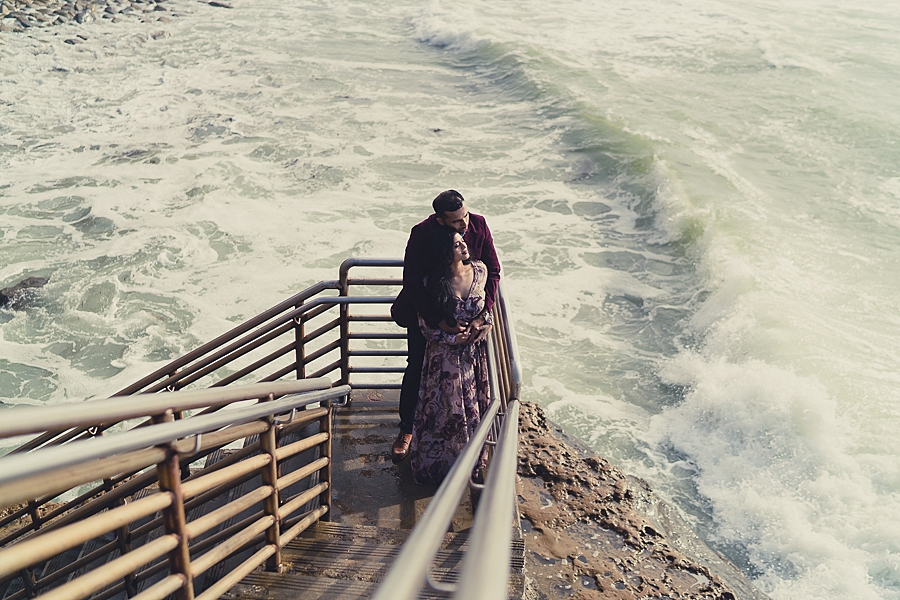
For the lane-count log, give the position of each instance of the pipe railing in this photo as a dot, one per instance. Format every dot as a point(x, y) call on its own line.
point(412, 567)
point(486, 567)
point(247, 349)
point(211, 538)
point(27, 420)
point(57, 458)
point(300, 337)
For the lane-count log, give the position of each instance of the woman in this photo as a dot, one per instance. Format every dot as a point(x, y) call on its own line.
point(453, 393)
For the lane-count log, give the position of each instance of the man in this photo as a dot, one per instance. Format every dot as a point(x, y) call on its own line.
point(449, 210)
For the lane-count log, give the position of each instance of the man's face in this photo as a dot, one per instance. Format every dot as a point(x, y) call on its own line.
point(458, 219)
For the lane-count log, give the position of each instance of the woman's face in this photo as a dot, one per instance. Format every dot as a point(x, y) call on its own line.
point(460, 250)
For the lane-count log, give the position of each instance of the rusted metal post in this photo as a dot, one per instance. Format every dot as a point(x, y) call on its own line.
point(169, 473)
point(28, 581)
point(325, 426)
point(123, 537)
point(345, 329)
point(35, 516)
point(268, 444)
point(300, 349)
point(269, 478)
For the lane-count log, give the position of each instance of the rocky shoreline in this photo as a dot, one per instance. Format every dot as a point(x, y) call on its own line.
point(591, 531)
point(22, 15)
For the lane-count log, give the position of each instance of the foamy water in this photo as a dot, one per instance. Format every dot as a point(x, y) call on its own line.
point(697, 207)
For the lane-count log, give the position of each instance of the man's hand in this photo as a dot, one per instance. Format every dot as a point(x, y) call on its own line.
point(477, 330)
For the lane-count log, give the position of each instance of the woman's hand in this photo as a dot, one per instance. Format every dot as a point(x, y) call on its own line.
point(461, 338)
point(481, 332)
point(477, 329)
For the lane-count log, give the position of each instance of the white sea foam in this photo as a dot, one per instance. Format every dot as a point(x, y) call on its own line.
point(696, 206)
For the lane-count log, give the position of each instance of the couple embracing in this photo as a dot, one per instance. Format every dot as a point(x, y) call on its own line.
point(450, 279)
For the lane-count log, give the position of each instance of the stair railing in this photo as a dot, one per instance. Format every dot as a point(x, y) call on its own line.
point(298, 337)
point(486, 566)
point(159, 452)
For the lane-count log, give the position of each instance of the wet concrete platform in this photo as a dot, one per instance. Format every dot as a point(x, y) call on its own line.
point(375, 504)
point(369, 489)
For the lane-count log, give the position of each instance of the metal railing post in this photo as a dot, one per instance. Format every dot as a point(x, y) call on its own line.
point(325, 426)
point(300, 350)
point(268, 443)
point(345, 326)
point(28, 581)
point(169, 473)
point(123, 535)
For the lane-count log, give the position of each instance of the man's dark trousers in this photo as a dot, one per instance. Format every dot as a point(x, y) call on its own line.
point(409, 389)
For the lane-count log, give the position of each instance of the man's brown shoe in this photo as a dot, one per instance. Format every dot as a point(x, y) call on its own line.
point(401, 447)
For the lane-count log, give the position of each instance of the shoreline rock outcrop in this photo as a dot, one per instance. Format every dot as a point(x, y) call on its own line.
point(24, 15)
point(591, 531)
point(16, 295)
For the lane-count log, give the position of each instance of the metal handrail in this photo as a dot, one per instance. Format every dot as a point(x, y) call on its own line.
point(413, 563)
point(17, 466)
point(244, 327)
point(485, 569)
point(157, 444)
point(296, 313)
point(485, 572)
point(509, 338)
point(72, 442)
point(35, 419)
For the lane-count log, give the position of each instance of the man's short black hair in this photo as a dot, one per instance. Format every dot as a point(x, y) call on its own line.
point(449, 201)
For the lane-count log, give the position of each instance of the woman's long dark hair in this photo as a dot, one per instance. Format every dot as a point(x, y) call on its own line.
point(437, 279)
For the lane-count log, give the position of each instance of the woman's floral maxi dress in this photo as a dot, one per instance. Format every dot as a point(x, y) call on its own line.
point(453, 393)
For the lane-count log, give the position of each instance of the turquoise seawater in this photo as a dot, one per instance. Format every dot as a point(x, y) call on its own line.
point(696, 204)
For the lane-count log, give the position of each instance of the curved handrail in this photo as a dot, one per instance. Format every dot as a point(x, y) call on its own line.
point(366, 262)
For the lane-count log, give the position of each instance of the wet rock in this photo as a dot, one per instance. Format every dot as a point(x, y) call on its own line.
point(591, 531)
point(17, 295)
point(21, 15)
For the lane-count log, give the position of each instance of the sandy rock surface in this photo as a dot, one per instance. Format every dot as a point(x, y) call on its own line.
point(591, 531)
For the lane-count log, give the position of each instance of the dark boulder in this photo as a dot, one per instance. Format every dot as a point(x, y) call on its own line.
point(15, 296)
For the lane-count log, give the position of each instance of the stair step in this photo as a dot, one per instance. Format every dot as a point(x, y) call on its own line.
point(262, 585)
point(336, 560)
point(323, 530)
point(357, 552)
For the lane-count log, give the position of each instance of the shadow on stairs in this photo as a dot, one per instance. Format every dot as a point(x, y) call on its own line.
point(375, 505)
